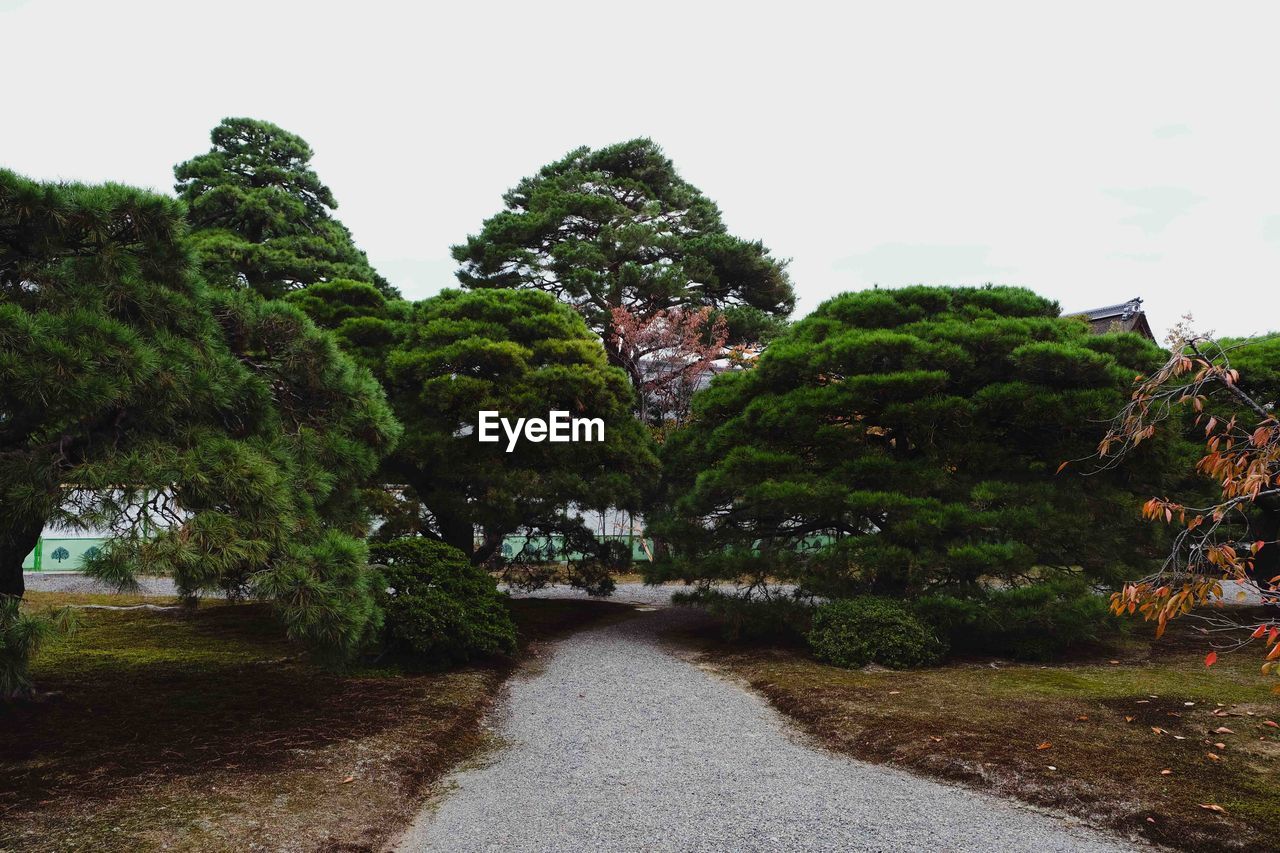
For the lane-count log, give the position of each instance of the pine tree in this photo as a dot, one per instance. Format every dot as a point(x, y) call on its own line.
point(619, 228)
point(906, 441)
point(261, 217)
point(521, 354)
point(134, 399)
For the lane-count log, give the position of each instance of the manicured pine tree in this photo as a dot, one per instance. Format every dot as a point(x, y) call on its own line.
point(131, 395)
point(619, 228)
point(522, 354)
point(906, 441)
point(260, 216)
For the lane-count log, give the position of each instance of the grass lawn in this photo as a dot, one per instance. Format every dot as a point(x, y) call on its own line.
point(205, 730)
point(1123, 739)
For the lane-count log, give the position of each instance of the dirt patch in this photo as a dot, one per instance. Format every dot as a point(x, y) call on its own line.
point(204, 729)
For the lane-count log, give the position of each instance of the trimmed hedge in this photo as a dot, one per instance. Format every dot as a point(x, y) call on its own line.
point(438, 606)
point(1036, 622)
point(853, 632)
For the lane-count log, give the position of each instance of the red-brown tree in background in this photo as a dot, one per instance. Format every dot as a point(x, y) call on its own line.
point(669, 355)
point(1231, 537)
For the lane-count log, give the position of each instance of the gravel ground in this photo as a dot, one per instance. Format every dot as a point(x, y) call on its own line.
point(616, 743)
point(76, 582)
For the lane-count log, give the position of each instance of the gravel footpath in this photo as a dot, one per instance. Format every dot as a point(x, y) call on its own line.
point(617, 744)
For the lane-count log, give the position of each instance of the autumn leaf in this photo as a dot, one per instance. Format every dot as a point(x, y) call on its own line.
point(1128, 719)
point(1045, 745)
point(1166, 772)
point(1272, 723)
point(1213, 807)
point(1212, 757)
point(1063, 465)
point(1210, 659)
point(1223, 730)
point(348, 779)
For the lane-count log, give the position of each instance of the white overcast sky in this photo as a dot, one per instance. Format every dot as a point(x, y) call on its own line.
point(1091, 152)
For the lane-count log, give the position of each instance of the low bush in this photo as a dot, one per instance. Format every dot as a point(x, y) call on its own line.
point(776, 619)
point(853, 632)
point(1036, 622)
point(437, 605)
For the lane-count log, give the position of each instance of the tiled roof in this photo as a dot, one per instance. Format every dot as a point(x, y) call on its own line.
point(1122, 317)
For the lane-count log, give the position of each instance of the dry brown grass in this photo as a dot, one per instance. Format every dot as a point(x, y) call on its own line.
point(204, 730)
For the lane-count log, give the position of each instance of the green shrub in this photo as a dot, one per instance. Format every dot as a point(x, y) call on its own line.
point(854, 632)
point(776, 619)
point(1036, 622)
point(438, 606)
point(22, 633)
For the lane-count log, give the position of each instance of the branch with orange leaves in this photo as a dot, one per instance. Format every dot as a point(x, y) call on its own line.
point(1213, 545)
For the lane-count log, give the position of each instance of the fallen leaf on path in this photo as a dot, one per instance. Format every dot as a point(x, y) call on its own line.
point(1045, 745)
point(1083, 718)
point(1212, 757)
point(348, 779)
point(1051, 767)
point(1271, 723)
point(1223, 730)
point(1219, 746)
point(1213, 807)
point(1128, 719)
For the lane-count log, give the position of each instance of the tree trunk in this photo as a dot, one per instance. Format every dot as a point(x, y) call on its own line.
point(17, 539)
point(492, 542)
point(632, 370)
point(460, 533)
point(1265, 527)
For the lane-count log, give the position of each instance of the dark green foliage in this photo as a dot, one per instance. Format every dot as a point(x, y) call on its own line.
point(522, 354)
point(901, 442)
point(776, 618)
point(21, 635)
point(133, 399)
point(618, 227)
point(366, 323)
point(1036, 622)
point(854, 632)
point(438, 606)
point(260, 216)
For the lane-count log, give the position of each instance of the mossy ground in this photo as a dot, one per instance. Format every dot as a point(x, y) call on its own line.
point(983, 722)
point(204, 729)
